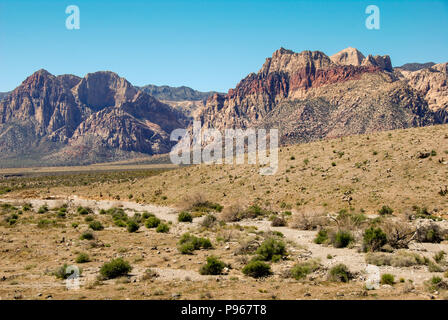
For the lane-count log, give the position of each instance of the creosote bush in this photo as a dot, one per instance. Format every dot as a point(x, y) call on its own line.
point(152, 222)
point(132, 226)
point(214, 266)
point(96, 226)
point(341, 239)
point(62, 272)
point(87, 235)
point(185, 217)
point(374, 239)
point(387, 278)
point(271, 249)
point(82, 258)
point(301, 270)
point(189, 243)
point(163, 228)
point(115, 268)
point(322, 236)
point(257, 269)
point(339, 273)
point(385, 210)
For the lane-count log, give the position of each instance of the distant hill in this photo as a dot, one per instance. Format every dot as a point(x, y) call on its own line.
point(416, 66)
point(176, 93)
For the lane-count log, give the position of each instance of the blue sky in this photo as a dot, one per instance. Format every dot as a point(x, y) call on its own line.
point(207, 45)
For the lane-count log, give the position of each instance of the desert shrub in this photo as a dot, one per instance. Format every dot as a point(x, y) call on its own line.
point(214, 266)
point(188, 243)
point(87, 235)
point(436, 283)
point(301, 270)
point(398, 233)
point(89, 219)
point(309, 220)
point(43, 223)
point(198, 203)
point(385, 210)
point(322, 236)
point(387, 278)
point(152, 222)
point(434, 267)
point(96, 226)
point(27, 207)
point(115, 268)
point(83, 211)
point(208, 221)
point(374, 239)
point(429, 232)
point(12, 219)
point(75, 225)
point(163, 228)
point(185, 217)
point(42, 209)
point(247, 246)
point(132, 226)
point(61, 272)
point(399, 259)
point(271, 250)
point(232, 213)
point(257, 269)
point(439, 256)
point(278, 222)
point(350, 220)
point(82, 258)
point(341, 239)
point(61, 214)
point(146, 215)
point(339, 273)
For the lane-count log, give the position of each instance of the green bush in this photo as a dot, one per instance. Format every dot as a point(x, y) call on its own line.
point(188, 243)
point(163, 228)
point(185, 217)
point(342, 239)
point(96, 225)
point(271, 250)
point(115, 268)
point(385, 210)
point(27, 207)
point(257, 269)
point(301, 270)
point(322, 236)
point(89, 219)
point(43, 209)
point(83, 211)
point(387, 278)
point(339, 273)
point(87, 235)
point(132, 226)
point(152, 222)
point(208, 221)
point(374, 239)
point(82, 258)
point(61, 273)
point(214, 266)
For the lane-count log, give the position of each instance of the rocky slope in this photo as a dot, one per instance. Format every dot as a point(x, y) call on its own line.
point(60, 119)
point(309, 95)
point(432, 83)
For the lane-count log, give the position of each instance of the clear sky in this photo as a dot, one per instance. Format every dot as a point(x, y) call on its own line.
point(206, 45)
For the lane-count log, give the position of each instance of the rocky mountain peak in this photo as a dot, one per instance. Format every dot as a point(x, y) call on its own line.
point(382, 62)
point(348, 56)
point(104, 89)
point(288, 61)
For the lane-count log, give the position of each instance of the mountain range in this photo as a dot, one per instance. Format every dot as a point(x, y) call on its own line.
point(55, 120)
